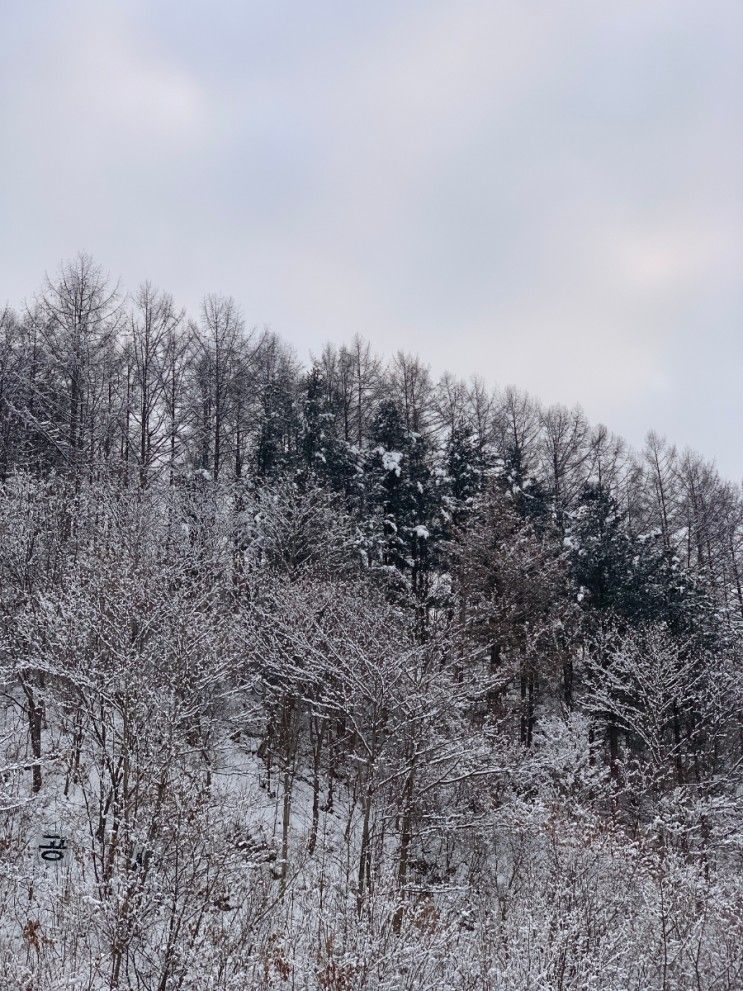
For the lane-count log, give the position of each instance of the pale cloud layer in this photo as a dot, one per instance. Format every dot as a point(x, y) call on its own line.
point(548, 194)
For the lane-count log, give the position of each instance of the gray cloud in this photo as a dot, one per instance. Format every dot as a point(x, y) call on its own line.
point(544, 194)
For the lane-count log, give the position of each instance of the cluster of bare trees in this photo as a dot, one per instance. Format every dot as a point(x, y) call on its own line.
point(340, 677)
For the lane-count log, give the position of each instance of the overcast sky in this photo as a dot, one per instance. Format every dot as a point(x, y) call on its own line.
point(548, 194)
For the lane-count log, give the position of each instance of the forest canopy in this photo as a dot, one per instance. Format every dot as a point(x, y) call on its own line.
point(330, 675)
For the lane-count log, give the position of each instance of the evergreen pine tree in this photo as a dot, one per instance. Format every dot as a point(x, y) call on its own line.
point(401, 491)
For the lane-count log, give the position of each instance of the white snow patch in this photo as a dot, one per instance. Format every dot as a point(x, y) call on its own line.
point(391, 461)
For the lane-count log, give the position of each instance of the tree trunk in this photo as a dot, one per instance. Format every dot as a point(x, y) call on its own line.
point(406, 837)
point(365, 853)
point(316, 754)
point(35, 714)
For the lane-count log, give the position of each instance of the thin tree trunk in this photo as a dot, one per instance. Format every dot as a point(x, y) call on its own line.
point(35, 714)
point(406, 837)
point(365, 853)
